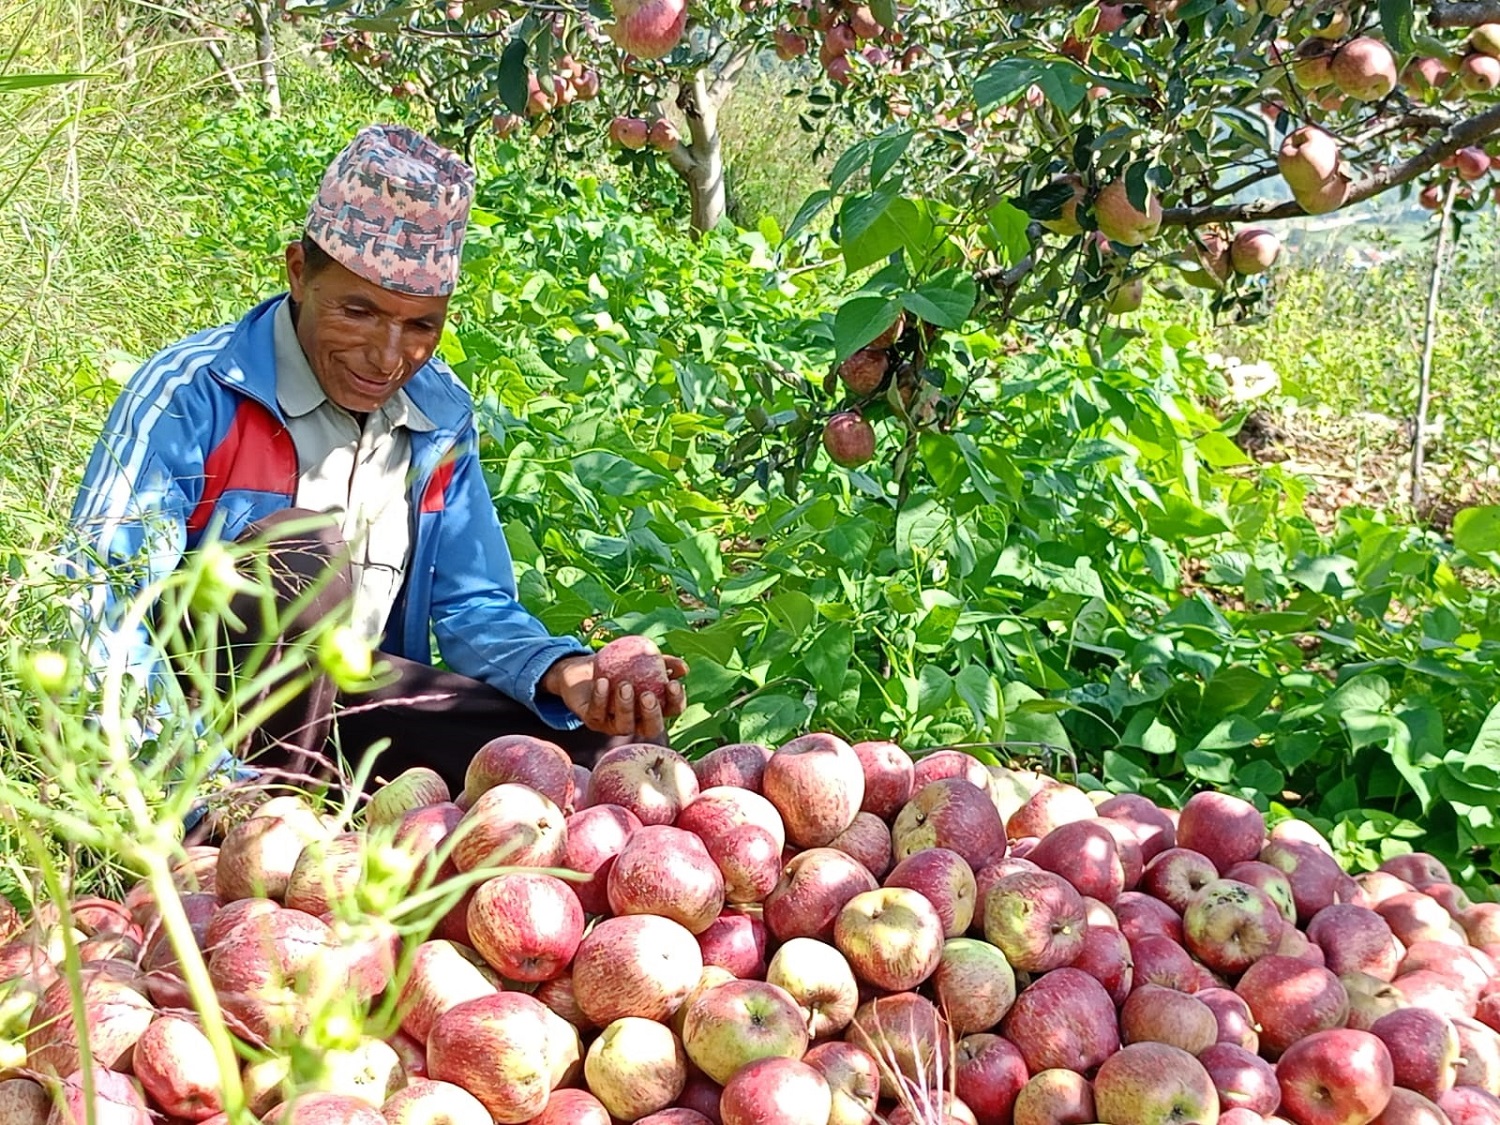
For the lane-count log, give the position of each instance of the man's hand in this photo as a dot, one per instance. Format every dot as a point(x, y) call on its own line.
point(614, 709)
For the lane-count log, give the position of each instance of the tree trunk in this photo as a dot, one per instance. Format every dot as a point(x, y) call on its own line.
point(216, 52)
point(262, 22)
point(699, 159)
point(1429, 340)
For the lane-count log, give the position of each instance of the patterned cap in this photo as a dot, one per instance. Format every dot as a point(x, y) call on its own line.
point(392, 208)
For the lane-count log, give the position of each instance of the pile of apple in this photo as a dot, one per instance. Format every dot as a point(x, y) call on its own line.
point(825, 934)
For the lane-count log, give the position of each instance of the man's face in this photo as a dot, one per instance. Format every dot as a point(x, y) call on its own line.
point(364, 342)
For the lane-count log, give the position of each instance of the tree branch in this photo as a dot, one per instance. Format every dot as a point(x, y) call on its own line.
point(1429, 338)
point(1465, 133)
point(1464, 13)
point(723, 77)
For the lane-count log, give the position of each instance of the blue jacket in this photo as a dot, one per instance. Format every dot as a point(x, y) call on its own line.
point(196, 446)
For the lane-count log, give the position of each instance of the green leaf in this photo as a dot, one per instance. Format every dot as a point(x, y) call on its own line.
point(873, 227)
point(884, 12)
point(1229, 734)
point(828, 656)
point(513, 86)
point(9, 83)
point(811, 208)
point(887, 154)
point(946, 300)
point(976, 687)
point(1485, 750)
point(1396, 22)
point(1005, 226)
point(853, 159)
point(1327, 574)
point(1061, 81)
point(1159, 739)
point(1216, 769)
point(1030, 726)
point(1477, 530)
point(935, 689)
point(859, 320)
point(772, 719)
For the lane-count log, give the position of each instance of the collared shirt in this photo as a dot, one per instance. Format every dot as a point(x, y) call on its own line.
point(357, 474)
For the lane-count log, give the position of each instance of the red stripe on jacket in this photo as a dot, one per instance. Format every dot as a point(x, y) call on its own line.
point(435, 496)
point(256, 455)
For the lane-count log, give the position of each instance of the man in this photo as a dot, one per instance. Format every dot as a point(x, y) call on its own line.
point(322, 427)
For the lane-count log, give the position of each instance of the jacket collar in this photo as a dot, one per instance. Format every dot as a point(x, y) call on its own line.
point(247, 364)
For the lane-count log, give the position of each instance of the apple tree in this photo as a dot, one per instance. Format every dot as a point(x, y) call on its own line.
point(1021, 166)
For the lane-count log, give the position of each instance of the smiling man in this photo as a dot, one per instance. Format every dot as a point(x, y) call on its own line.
point(322, 430)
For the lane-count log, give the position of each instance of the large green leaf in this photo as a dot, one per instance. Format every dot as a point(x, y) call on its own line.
point(1062, 82)
point(1477, 530)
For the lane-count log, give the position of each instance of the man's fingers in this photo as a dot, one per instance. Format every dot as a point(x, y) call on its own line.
point(598, 708)
point(676, 699)
point(649, 721)
point(622, 720)
point(676, 668)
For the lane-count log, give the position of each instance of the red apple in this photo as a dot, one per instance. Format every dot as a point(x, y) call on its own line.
point(818, 977)
point(635, 1067)
point(817, 784)
point(1369, 999)
point(749, 861)
point(950, 813)
point(564, 1107)
point(1160, 960)
point(739, 764)
point(411, 789)
point(853, 1078)
point(973, 984)
point(906, 1035)
point(868, 840)
point(639, 965)
point(813, 889)
point(1153, 1014)
point(1335, 1077)
point(949, 763)
point(1052, 805)
point(424, 1102)
point(654, 783)
point(1468, 1105)
point(595, 836)
point(1354, 939)
point(1417, 868)
point(1380, 885)
point(1063, 1019)
point(1055, 1097)
point(736, 940)
point(1244, 1080)
point(1226, 829)
point(888, 774)
point(1424, 1049)
point(1176, 876)
point(1270, 881)
point(1141, 915)
point(526, 924)
point(1442, 992)
point(717, 811)
point(667, 872)
point(1415, 917)
point(891, 936)
point(1316, 879)
point(510, 825)
point(1236, 1024)
point(633, 660)
point(176, 1065)
point(1037, 920)
point(271, 968)
point(784, 1091)
point(1230, 925)
point(258, 854)
point(740, 1021)
point(1107, 958)
point(523, 760)
point(1085, 854)
point(1481, 923)
point(1154, 831)
point(441, 977)
point(988, 1074)
point(495, 1047)
point(1291, 1000)
point(116, 1100)
point(945, 879)
point(1479, 1055)
point(1407, 1107)
point(1154, 1084)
